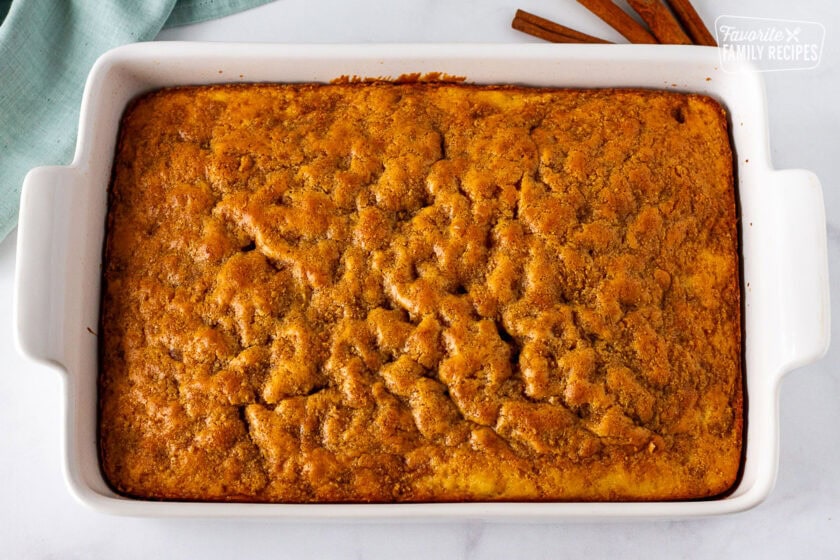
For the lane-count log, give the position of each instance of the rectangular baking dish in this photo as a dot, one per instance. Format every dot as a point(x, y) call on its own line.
point(62, 216)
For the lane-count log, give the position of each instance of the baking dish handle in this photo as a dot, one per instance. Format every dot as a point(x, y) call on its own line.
point(803, 289)
point(43, 229)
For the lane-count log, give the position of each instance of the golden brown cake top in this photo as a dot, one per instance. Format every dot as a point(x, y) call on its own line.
point(377, 292)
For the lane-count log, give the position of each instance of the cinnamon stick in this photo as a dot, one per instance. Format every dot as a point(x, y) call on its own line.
point(692, 22)
point(550, 31)
point(619, 20)
point(661, 21)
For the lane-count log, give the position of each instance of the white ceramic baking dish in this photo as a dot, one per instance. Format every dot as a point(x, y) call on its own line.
point(784, 259)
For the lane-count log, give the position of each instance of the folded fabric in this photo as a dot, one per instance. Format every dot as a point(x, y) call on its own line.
point(47, 48)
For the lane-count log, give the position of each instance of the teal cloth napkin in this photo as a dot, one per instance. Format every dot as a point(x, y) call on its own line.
point(47, 48)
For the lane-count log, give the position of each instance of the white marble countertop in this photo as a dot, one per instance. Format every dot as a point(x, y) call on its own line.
point(39, 518)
